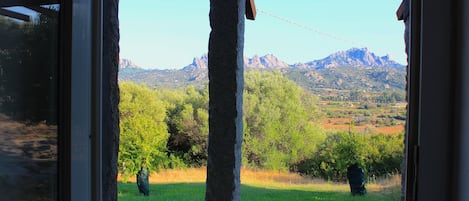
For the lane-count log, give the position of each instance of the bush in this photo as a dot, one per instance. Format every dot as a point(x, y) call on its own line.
point(379, 155)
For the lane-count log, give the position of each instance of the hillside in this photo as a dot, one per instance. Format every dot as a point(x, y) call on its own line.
point(354, 69)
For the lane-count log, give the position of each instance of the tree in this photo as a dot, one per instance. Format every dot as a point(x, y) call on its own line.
point(278, 117)
point(144, 132)
point(188, 124)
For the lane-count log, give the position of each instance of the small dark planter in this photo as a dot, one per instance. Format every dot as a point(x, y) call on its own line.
point(142, 182)
point(356, 178)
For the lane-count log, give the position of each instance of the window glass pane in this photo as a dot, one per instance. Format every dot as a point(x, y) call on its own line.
point(28, 102)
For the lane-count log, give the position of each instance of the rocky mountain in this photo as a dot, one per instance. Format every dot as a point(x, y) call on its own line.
point(127, 64)
point(355, 57)
point(198, 63)
point(268, 61)
point(353, 69)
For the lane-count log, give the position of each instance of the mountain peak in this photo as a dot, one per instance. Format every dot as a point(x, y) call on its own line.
point(198, 63)
point(201, 62)
point(268, 61)
point(128, 64)
point(355, 57)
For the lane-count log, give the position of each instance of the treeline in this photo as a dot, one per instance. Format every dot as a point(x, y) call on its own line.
point(385, 97)
point(169, 129)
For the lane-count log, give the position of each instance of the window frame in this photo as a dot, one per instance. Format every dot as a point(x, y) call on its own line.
point(439, 72)
point(80, 100)
point(434, 26)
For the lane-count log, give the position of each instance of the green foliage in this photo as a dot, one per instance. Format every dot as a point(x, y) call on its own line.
point(390, 97)
point(386, 155)
point(169, 128)
point(143, 131)
point(187, 121)
point(278, 118)
point(379, 155)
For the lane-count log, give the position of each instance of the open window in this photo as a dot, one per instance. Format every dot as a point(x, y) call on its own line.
point(58, 98)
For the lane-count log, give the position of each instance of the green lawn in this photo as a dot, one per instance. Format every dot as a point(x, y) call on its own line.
point(196, 192)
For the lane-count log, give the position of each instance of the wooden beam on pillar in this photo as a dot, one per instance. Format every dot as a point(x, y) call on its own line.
point(226, 84)
point(15, 15)
point(251, 10)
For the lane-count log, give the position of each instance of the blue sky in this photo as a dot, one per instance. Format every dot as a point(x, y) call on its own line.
point(168, 34)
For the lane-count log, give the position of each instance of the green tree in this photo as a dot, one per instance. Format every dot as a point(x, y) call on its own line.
point(188, 124)
point(144, 132)
point(390, 97)
point(278, 119)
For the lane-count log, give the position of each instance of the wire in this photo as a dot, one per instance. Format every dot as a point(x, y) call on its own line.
point(310, 29)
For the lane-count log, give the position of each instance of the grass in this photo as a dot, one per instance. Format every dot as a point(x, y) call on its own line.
point(188, 185)
point(196, 192)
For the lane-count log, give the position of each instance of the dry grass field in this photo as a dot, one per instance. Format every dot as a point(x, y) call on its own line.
point(262, 178)
point(343, 124)
point(188, 184)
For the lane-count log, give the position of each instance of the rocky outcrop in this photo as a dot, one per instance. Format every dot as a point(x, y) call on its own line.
point(268, 61)
point(354, 57)
point(127, 63)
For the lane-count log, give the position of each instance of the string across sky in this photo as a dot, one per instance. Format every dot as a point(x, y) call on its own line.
point(168, 34)
point(308, 28)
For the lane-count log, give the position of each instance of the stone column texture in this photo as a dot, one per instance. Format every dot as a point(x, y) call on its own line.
point(226, 83)
point(110, 110)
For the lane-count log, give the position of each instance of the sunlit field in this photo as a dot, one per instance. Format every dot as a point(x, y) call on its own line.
point(189, 185)
point(343, 124)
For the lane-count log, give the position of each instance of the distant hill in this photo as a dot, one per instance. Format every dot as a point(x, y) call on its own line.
point(353, 69)
point(357, 57)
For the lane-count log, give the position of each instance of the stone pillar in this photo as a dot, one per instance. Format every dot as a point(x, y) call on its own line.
point(226, 83)
point(110, 110)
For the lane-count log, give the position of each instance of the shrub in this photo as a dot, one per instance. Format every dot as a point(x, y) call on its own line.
point(378, 155)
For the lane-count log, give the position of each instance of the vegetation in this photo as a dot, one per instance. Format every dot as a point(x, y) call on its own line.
point(379, 155)
point(187, 120)
point(341, 80)
point(188, 184)
point(144, 133)
point(278, 114)
point(284, 129)
point(175, 192)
